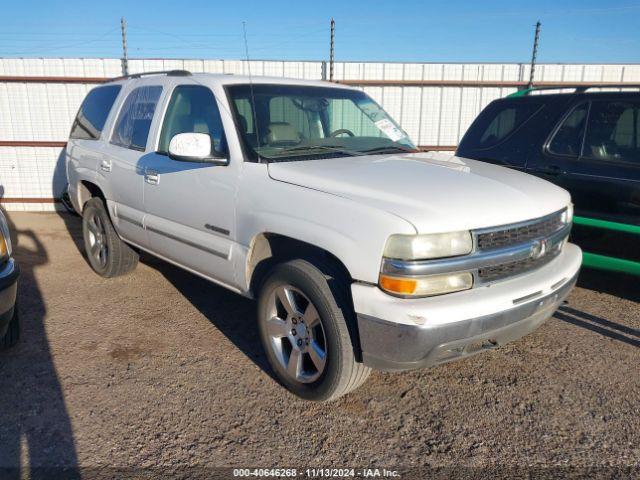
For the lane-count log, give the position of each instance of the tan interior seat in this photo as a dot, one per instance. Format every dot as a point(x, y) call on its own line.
point(282, 133)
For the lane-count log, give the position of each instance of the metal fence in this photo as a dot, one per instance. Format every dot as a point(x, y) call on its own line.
point(434, 102)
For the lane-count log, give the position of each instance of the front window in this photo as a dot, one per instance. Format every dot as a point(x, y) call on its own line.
point(292, 122)
point(192, 109)
point(568, 139)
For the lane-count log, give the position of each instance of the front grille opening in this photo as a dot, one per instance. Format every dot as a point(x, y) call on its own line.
point(498, 272)
point(516, 235)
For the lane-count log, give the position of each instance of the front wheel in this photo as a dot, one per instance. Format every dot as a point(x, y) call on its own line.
point(304, 331)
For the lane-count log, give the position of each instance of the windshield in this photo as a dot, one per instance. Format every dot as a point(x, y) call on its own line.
point(293, 122)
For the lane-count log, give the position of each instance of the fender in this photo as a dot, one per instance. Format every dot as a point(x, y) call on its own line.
point(352, 232)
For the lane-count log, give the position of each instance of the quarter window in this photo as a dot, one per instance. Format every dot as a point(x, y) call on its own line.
point(134, 121)
point(497, 122)
point(93, 113)
point(568, 138)
point(192, 109)
point(613, 132)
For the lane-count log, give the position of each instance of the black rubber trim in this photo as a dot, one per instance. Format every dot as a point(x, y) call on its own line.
point(187, 242)
point(130, 220)
point(213, 228)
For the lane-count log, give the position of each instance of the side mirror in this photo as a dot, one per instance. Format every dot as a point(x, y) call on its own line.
point(193, 147)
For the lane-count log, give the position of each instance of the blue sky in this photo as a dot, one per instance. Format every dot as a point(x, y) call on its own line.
point(410, 30)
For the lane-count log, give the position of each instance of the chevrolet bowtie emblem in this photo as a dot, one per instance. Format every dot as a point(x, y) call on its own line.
point(539, 249)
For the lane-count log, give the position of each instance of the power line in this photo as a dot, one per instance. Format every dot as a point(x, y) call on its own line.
point(59, 47)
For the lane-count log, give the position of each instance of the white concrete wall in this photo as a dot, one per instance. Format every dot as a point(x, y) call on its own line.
point(431, 115)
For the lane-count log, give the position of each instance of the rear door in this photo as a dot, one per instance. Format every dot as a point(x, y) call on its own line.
point(120, 162)
point(594, 153)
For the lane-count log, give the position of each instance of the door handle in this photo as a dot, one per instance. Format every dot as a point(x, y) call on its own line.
point(105, 165)
point(551, 170)
point(152, 177)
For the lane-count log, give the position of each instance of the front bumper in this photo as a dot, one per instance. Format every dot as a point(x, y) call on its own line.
point(9, 273)
point(401, 334)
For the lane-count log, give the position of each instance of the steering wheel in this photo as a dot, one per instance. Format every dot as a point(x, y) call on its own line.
point(340, 131)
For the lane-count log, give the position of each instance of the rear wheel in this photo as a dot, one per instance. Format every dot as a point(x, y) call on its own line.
point(107, 254)
point(303, 327)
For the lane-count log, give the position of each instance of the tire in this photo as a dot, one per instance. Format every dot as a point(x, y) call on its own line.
point(298, 306)
point(107, 254)
point(13, 332)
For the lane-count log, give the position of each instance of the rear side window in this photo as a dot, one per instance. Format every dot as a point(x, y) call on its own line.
point(497, 122)
point(568, 138)
point(134, 121)
point(613, 132)
point(93, 113)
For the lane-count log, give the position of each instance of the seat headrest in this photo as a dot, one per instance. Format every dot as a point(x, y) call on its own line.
point(244, 125)
point(282, 132)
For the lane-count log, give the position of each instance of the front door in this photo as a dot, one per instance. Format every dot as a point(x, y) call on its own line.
point(190, 205)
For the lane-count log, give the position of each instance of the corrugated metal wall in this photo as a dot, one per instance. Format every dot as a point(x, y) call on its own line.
point(435, 103)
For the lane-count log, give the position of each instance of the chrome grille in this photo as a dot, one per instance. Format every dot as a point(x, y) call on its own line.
point(514, 235)
point(505, 270)
point(499, 252)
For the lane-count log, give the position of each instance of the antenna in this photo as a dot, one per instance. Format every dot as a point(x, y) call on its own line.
point(253, 98)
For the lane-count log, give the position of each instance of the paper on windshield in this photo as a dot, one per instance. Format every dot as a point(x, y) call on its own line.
point(389, 129)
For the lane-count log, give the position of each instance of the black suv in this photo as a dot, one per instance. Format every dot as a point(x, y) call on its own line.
point(585, 141)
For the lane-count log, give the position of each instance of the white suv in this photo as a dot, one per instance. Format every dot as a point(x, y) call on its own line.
point(362, 252)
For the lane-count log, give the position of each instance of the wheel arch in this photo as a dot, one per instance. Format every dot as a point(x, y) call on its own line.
point(268, 248)
point(86, 191)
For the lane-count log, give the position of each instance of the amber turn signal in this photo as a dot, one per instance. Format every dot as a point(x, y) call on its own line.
point(401, 286)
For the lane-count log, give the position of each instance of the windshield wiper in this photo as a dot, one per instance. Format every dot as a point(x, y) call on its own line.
point(390, 148)
point(322, 148)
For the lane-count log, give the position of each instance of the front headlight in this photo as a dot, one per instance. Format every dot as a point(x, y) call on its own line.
point(5, 239)
point(409, 248)
point(567, 215)
point(422, 247)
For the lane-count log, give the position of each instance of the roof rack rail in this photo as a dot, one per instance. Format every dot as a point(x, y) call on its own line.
point(578, 88)
point(168, 73)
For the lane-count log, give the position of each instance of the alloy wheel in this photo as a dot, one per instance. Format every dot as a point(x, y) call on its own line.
point(296, 335)
point(98, 247)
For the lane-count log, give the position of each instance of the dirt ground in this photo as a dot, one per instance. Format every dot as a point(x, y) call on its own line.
point(162, 369)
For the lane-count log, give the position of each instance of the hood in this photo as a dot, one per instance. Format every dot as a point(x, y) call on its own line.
point(433, 191)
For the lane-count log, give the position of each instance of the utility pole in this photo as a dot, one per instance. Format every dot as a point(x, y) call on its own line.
point(536, 38)
point(333, 30)
point(125, 59)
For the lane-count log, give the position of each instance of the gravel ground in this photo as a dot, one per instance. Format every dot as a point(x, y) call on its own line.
point(162, 369)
